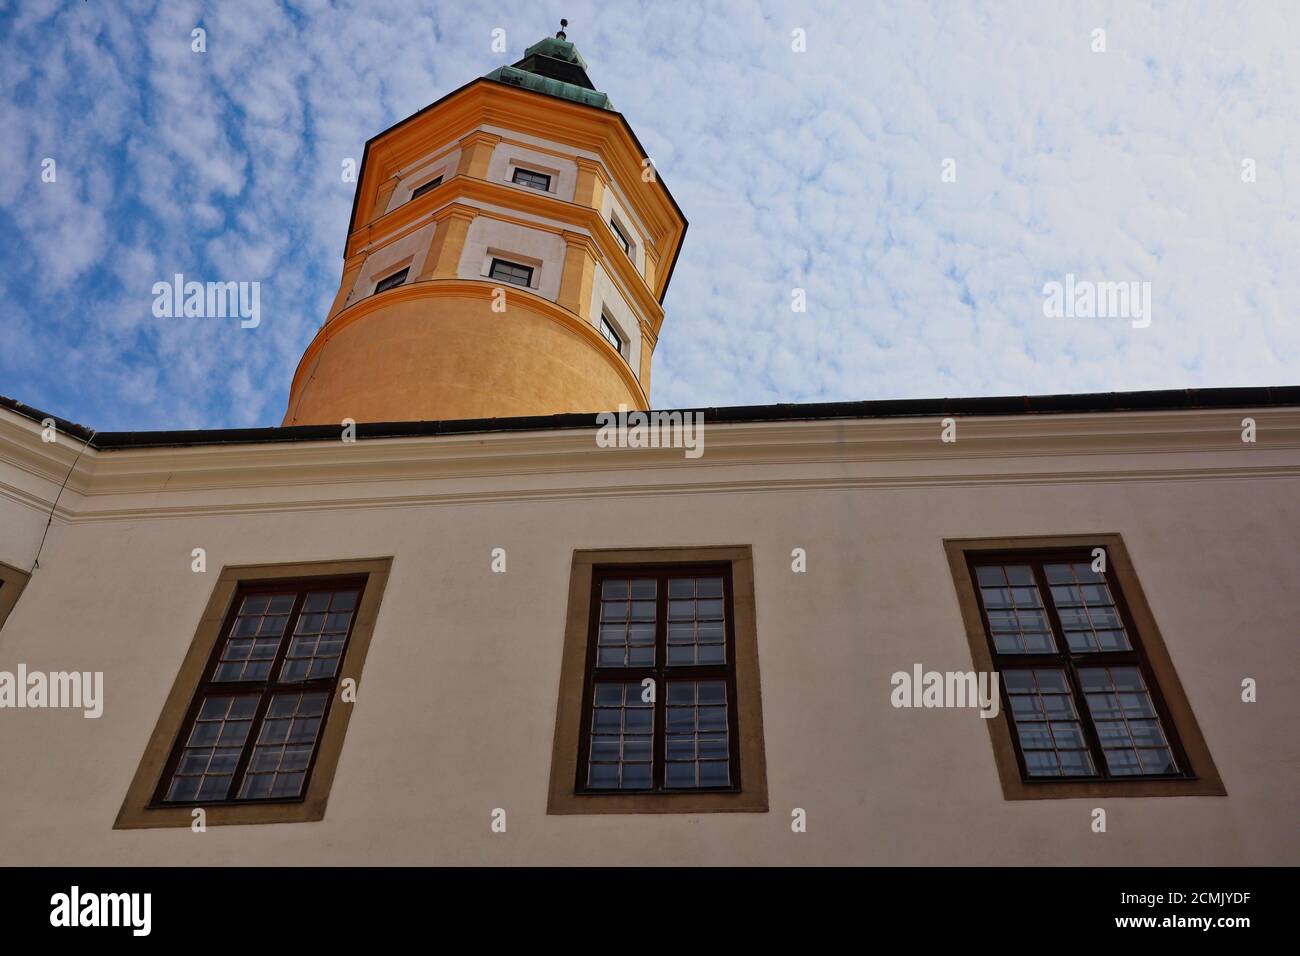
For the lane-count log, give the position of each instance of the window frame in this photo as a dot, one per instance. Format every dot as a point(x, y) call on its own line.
point(662, 673)
point(532, 272)
point(745, 714)
point(265, 690)
point(139, 809)
point(622, 237)
point(607, 322)
point(429, 186)
point(1072, 662)
point(514, 178)
point(399, 274)
point(1198, 776)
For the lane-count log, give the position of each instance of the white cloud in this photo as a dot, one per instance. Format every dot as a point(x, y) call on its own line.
point(819, 170)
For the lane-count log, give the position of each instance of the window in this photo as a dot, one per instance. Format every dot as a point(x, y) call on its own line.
point(1082, 697)
point(526, 177)
point(12, 582)
point(254, 724)
point(511, 272)
point(419, 191)
point(611, 334)
point(619, 235)
point(392, 281)
point(256, 718)
point(659, 700)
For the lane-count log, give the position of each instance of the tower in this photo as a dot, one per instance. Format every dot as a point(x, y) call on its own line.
point(508, 253)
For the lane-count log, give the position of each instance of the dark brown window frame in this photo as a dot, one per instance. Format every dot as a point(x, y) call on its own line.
point(510, 280)
point(399, 275)
point(745, 718)
point(607, 329)
point(1200, 777)
point(265, 690)
point(423, 188)
point(12, 582)
point(140, 809)
point(531, 184)
point(661, 672)
point(622, 238)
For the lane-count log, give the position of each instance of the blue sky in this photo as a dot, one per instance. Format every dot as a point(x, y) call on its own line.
point(818, 170)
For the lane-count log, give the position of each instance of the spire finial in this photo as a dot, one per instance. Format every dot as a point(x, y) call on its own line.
point(559, 34)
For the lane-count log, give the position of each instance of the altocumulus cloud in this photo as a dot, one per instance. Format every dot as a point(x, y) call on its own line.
point(818, 170)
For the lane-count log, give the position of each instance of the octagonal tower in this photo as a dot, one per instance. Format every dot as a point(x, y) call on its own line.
point(508, 254)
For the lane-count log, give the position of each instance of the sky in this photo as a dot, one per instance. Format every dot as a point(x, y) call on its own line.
point(921, 170)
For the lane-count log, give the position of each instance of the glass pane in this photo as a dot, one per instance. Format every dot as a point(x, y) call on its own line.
point(626, 630)
point(621, 739)
point(1088, 613)
point(697, 734)
point(260, 616)
point(1131, 734)
point(1047, 725)
point(1017, 622)
point(697, 625)
point(277, 768)
point(212, 749)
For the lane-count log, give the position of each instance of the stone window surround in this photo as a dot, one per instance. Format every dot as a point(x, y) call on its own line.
point(1205, 780)
point(137, 811)
point(563, 796)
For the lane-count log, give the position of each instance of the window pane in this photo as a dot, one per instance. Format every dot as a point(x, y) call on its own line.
point(510, 272)
point(278, 767)
point(208, 759)
point(526, 177)
point(1047, 725)
point(318, 637)
point(421, 190)
point(254, 638)
point(696, 736)
point(626, 630)
point(622, 738)
point(1089, 616)
point(1017, 620)
point(392, 281)
point(1131, 734)
point(696, 627)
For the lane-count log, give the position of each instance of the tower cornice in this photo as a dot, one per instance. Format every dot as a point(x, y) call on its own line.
point(604, 134)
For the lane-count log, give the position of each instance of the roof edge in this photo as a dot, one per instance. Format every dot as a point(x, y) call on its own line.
point(1082, 403)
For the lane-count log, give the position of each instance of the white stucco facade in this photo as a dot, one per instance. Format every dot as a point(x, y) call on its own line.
point(456, 707)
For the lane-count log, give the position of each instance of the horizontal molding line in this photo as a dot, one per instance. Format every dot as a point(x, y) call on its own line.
point(714, 488)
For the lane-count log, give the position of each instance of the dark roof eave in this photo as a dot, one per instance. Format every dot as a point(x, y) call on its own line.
point(1168, 400)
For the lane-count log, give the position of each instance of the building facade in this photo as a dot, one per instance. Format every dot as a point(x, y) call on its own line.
point(470, 629)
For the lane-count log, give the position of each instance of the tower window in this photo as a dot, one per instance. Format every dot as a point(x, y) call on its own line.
point(622, 239)
point(419, 191)
point(611, 334)
point(392, 281)
point(526, 177)
point(511, 272)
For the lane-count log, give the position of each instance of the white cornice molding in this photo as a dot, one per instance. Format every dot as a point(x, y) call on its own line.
point(738, 458)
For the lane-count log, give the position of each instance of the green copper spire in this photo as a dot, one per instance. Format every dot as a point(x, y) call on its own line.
point(555, 67)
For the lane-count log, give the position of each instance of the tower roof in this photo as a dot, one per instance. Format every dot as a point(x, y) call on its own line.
point(554, 66)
